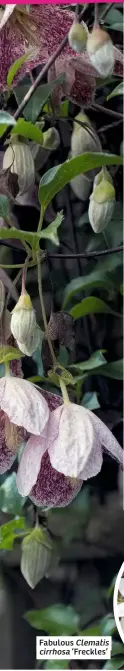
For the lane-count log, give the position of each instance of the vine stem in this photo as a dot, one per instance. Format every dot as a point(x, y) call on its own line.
point(64, 391)
point(44, 311)
point(96, 14)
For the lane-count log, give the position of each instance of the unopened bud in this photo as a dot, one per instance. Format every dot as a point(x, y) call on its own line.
point(77, 36)
point(36, 556)
point(23, 320)
point(51, 138)
point(102, 201)
point(101, 51)
point(83, 139)
point(81, 187)
point(32, 342)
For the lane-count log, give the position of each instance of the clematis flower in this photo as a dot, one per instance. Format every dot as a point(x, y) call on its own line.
point(36, 477)
point(71, 448)
point(45, 26)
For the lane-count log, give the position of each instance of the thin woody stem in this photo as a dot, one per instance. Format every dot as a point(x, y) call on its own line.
point(44, 311)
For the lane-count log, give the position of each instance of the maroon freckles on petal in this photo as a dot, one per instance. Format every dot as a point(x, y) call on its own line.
point(53, 488)
point(7, 457)
point(53, 400)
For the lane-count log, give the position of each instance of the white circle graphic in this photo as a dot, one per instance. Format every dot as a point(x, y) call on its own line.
point(119, 605)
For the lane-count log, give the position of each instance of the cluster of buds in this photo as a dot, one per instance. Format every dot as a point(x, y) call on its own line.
point(98, 44)
point(102, 201)
point(24, 327)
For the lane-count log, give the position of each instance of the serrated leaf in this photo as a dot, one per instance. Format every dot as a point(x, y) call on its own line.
point(56, 178)
point(4, 206)
point(9, 353)
point(15, 67)
point(119, 90)
point(91, 305)
point(28, 130)
point(10, 499)
point(90, 400)
point(56, 619)
point(39, 98)
point(50, 233)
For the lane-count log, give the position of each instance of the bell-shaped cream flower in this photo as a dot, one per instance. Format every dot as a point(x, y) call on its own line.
point(23, 325)
point(77, 36)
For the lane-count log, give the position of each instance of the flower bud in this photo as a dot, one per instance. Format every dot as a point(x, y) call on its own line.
point(81, 186)
point(102, 201)
point(32, 342)
point(77, 36)
point(51, 138)
point(82, 139)
point(101, 51)
point(23, 320)
point(36, 556)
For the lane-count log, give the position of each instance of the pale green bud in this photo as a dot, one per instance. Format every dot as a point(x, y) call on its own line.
point(23, 320)
point(102, 201)
point(83, 140)
point(77, 36)
point(36, 556)
point(32, 342)
point(51, 139)
point(101, 51)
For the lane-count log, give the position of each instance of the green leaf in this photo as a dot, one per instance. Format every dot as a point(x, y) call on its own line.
point(64, 107)
point(4, 206)
point(117, 648)
point(119, 90)
point(56, 178)
point(50, 233)
point(39, 98)
point(6, 118)
point(56, 619)
point(91, 305)
point(16, 234)
point(118, 26)
point(10, 531)
point(94, 630)
point(10, 499)
point(113, 15)
point(107, 625)
point(56, 665)
point(28, 130)
point(90, 400)
point(95, 279)
point(9, 353)
point(114, 663)
point(15, 67)
point(96, 359)
point(113, 370)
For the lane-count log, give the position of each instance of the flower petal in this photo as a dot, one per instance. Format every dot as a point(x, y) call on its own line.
point(7, 456)
point(106, 438)
point(23, 404)
point(52, 488)
point(70, 450)
point(30, 463)
point(94, 463)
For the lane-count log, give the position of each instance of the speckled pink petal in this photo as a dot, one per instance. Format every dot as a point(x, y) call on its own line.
point(94, 463)
point(30, 463)
point(7, 457)
point(106, 438)
point(23, 404)
point(52, 489)
point(70, 450)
